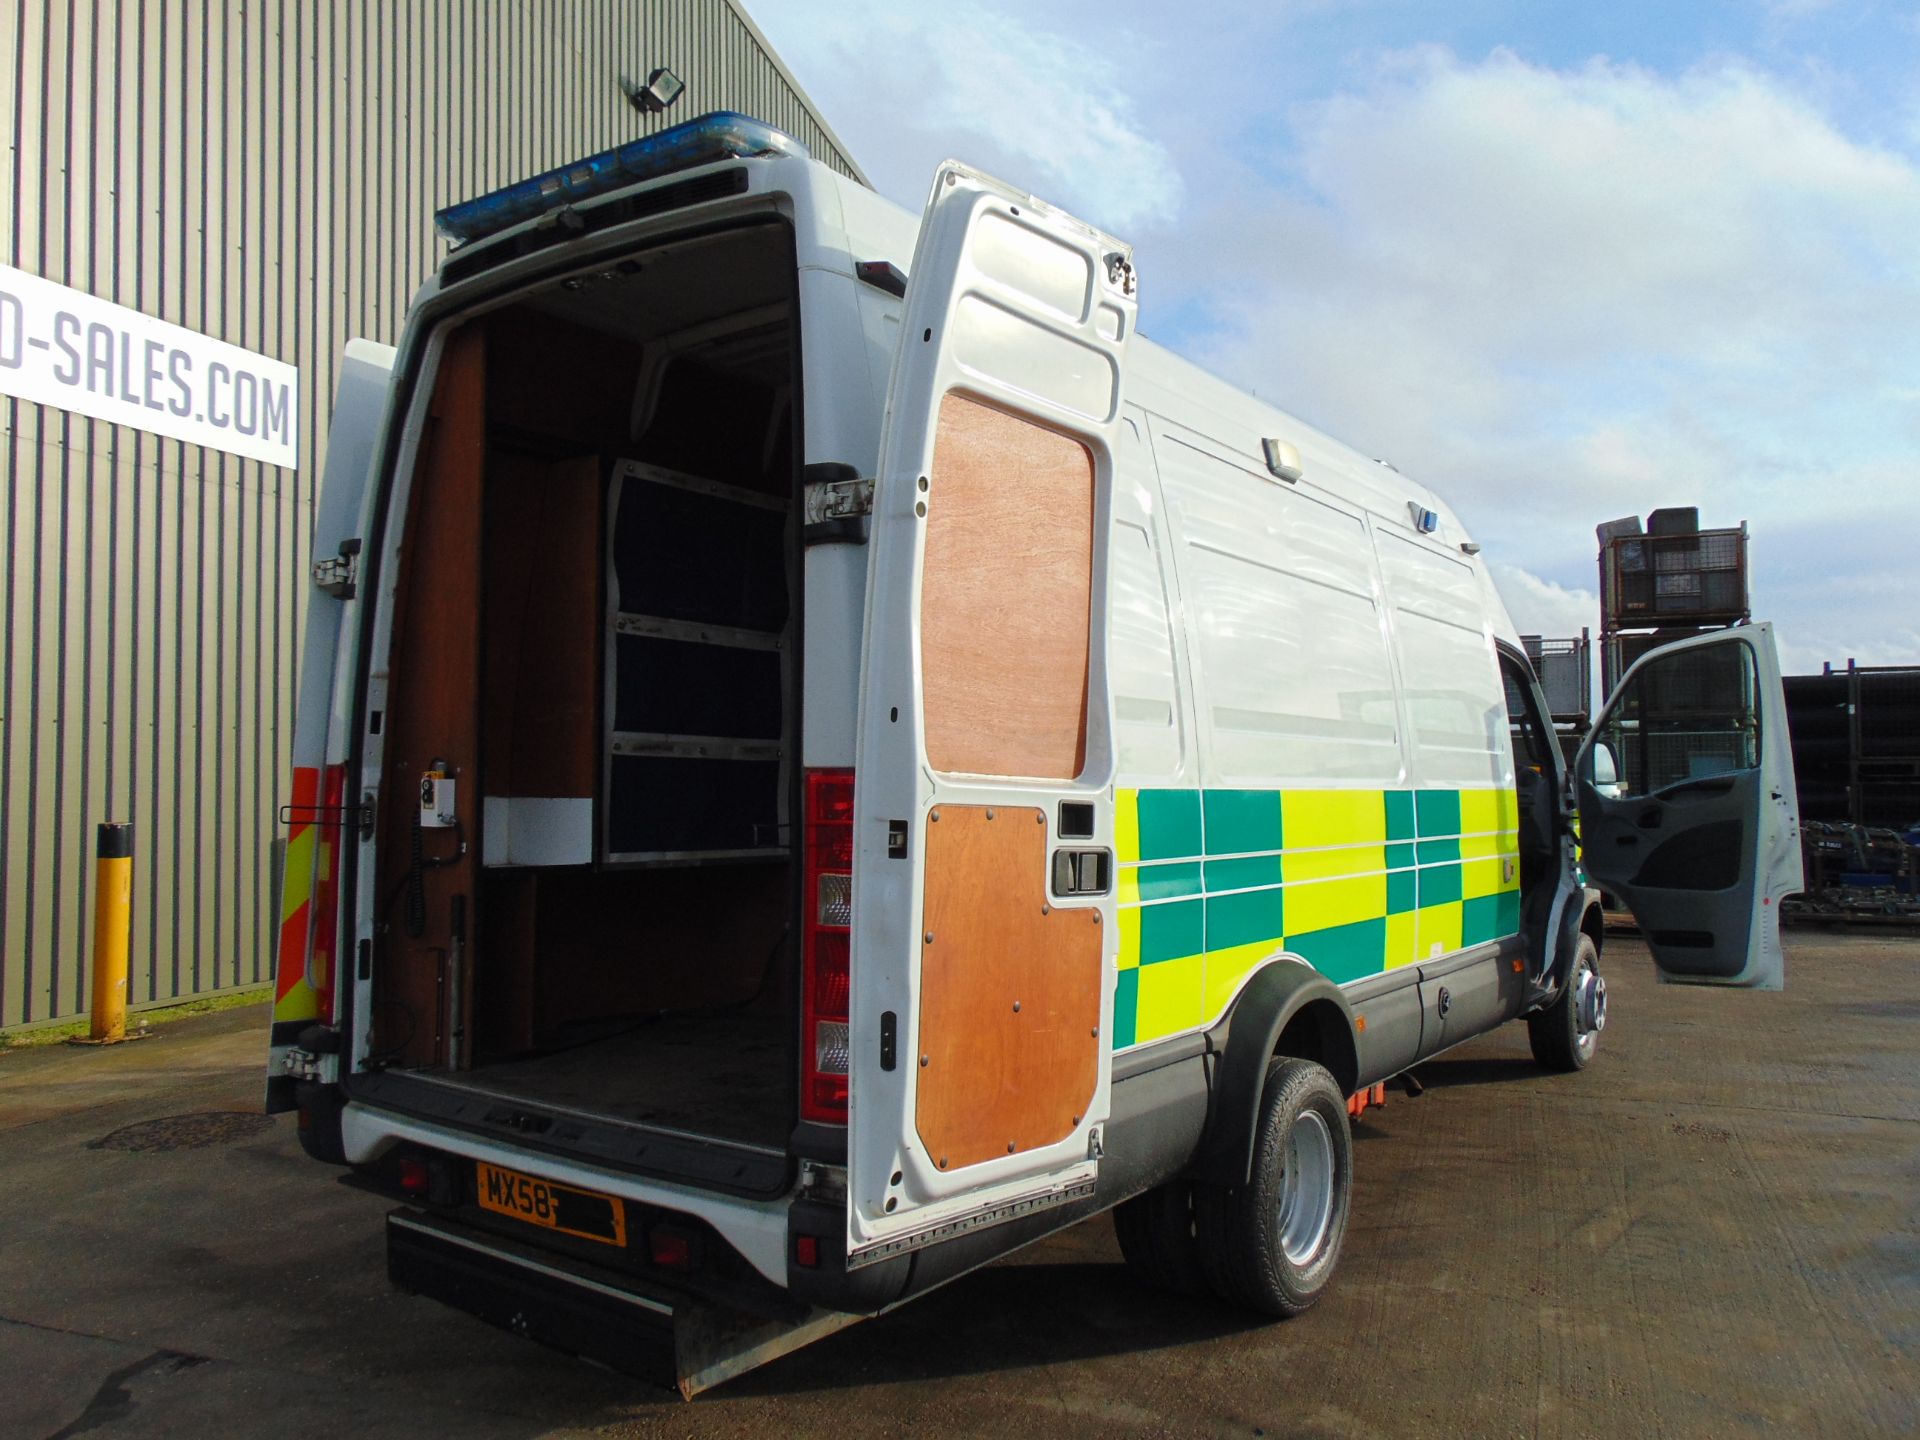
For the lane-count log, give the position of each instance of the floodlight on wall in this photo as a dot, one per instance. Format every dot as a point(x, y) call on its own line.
point(663, 87)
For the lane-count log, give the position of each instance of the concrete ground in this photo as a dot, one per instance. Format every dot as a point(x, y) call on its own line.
point(1710, 1232)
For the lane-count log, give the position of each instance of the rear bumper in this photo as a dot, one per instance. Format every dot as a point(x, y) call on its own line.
point(757, 1229)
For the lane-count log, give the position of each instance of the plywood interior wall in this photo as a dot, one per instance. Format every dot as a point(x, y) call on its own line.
point(1009, 992)
point(1006, 597)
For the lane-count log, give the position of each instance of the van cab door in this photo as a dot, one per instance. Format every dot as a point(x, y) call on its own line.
point(307, 963)
point(1695, 824)
point(983, 927)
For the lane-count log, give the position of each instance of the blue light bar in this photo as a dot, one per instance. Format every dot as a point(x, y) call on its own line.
point(723, 135)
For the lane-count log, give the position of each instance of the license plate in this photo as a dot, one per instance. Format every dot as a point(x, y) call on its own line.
point(553, 1206)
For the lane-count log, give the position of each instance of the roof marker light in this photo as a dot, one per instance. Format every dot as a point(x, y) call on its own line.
point(723, 135)
point(1283, 459)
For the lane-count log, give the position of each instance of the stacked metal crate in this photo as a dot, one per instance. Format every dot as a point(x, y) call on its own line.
point(1666, 581)
point(1565, 668)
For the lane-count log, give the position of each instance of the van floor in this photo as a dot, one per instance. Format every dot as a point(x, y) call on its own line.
point(715, 1073)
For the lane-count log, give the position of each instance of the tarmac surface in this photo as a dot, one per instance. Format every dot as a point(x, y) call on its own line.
point(1710, 1232)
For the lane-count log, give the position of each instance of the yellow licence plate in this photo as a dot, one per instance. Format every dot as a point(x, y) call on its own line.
point(571, 1211)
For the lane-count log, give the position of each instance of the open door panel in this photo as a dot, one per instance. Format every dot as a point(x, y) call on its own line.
point(1685, 791)
point(983, 936)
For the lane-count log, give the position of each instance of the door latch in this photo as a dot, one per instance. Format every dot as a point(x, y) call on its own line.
point(1082, 872)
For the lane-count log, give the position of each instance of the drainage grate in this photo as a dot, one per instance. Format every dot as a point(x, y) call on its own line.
point(186, 1132)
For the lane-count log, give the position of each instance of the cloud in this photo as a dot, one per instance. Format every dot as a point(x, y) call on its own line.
point(1561, 296)
point(1047, 110)
point(1559, 293)
point(1545, 607)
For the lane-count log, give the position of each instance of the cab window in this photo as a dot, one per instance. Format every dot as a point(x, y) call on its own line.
point(1682, 718)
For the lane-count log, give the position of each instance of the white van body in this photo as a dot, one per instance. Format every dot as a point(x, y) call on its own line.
point(984, 740)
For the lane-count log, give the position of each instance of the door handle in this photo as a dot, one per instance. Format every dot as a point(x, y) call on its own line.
point(1082, 872)
point(1648, 819)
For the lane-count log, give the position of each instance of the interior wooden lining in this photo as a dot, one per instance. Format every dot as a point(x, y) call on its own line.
point(1009, 992)
point(433, 710)
point(1006, 596)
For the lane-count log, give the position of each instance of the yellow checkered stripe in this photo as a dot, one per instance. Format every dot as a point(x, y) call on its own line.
point(1212, 883)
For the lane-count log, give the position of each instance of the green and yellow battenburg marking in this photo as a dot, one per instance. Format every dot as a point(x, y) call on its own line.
point(1212, 883)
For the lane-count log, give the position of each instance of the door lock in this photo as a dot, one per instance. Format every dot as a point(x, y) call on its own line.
point(1082, 872)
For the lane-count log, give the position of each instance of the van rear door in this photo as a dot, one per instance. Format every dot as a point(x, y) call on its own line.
point(983, 929)
point(307, 963)
point(1699, 831)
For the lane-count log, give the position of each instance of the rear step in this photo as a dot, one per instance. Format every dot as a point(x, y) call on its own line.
point(647, 1331)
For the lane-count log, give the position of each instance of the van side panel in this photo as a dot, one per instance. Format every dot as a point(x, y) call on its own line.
point(1339, 815)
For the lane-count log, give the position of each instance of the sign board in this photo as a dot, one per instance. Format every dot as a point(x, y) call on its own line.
point(63, 347)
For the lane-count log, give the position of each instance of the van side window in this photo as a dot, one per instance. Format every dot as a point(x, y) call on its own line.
point(1529, 745)
point(1534, 774)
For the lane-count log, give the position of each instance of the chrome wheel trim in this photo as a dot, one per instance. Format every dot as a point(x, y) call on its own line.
point(1589, 1008)
point(1306, 1189)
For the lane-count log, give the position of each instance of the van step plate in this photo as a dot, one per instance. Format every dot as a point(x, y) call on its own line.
point(650, 1332)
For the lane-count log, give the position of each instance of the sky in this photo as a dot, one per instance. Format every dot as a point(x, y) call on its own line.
point(1563, 263)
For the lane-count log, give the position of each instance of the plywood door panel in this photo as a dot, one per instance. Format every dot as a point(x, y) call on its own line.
point(1009, 992)
point(1006, 596)
point(433, 707)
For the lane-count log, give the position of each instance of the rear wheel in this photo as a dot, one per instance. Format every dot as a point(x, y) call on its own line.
point(1272, 1243)
point(1566, 1033)
point(1156, 1233)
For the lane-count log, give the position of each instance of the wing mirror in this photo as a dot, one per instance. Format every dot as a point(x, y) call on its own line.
point(1605, 768)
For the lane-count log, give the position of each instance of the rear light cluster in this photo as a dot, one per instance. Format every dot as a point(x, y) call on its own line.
point(827, 947)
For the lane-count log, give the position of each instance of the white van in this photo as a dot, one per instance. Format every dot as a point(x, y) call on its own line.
point(823, 757)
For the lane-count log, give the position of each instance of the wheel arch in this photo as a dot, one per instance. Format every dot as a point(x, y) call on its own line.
point(1593, 922)
point(1288, 1008)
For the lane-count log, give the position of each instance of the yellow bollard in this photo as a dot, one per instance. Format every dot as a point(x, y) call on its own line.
point(112, 931)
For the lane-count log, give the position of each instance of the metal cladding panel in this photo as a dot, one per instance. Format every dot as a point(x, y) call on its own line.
point(267, 174)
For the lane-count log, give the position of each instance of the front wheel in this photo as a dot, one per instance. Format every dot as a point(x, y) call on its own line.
point(1565, 1034)
point(1272, 1243)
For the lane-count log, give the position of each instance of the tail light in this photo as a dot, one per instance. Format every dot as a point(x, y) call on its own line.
point(827, 947)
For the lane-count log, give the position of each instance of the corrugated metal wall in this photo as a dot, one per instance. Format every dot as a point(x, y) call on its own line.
point(265, 173)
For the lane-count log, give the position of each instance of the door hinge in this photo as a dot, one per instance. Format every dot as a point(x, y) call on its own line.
point(836, 508)
point(301, 1064)
point(337, 576)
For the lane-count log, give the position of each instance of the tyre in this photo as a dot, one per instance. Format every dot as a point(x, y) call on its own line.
point(1272, 1243)
point(1565, 1034)
point(1156, 1233)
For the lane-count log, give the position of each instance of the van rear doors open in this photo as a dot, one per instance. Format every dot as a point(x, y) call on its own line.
point(1700, 832)
point(307, 967)
point(983, 909)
